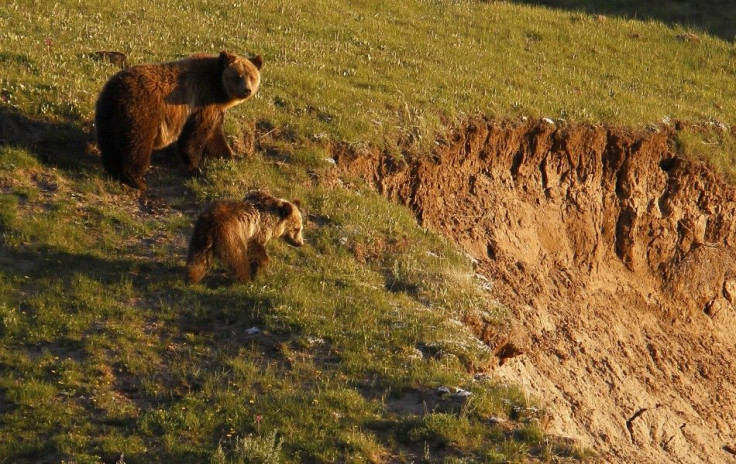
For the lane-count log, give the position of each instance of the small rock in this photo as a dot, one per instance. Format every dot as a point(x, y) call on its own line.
point(416, 354)
point(729, 290)
point(718, 308)
point(460, 393)
point(117, 58)
point(689, 37)
point(253, 331)
point(442, 390)
point(496, 420)
point(330, 160)
point(548, 121)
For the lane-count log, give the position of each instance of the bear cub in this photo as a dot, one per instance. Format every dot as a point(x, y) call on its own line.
point(151, 106)
point(236, 233)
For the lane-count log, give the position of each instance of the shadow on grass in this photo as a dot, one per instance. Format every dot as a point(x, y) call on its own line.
point(220, 311)
point(199, 309)
point(70, 146)
point(712, 16)
point(67, 145)
point(201, 325)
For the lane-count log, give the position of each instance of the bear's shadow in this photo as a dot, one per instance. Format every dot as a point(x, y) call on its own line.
point(67, 145)
point(70, 146)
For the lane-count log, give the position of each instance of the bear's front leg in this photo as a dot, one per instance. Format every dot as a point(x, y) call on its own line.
point(217, 146)
point(258, 257)
point(198, 134)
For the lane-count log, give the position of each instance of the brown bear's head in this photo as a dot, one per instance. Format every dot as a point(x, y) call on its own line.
point(291, 223)
point(240, 76)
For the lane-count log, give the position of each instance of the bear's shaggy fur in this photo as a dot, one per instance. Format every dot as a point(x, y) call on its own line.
point(236, 233)
point(147, 107)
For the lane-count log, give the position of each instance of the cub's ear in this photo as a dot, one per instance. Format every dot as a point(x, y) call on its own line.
point(257, 61)
point(226, 58)
point(297, 203)
point(286, 209)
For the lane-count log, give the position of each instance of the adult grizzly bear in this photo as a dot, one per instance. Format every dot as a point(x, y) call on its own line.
point(236, 233)
point(151, 106)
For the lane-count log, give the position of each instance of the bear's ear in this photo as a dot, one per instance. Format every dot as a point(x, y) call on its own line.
point(297, 203)
point(285, 209)
point(257, 61)
point(226, 58)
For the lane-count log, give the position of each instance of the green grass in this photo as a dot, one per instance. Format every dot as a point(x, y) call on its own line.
point(368, 71)
point(103, 348)
point(712, 143)
point(392, 76)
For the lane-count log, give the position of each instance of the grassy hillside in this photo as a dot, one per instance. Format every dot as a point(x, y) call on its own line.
point(106, 350)
point(365, 70)
point(103, 348)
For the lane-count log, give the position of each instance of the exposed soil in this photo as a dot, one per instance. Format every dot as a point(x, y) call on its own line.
point(617, 258)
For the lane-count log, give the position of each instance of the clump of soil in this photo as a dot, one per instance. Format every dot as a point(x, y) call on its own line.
point(616, 256)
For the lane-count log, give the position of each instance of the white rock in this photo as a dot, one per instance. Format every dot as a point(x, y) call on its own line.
point(460, 393)
point(442, 390)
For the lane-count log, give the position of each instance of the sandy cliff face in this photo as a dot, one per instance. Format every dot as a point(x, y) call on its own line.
point(618, 260)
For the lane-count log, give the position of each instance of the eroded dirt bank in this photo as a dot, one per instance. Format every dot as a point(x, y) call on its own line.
point(618, 260)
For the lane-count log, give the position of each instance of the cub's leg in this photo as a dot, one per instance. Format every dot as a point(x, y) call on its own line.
point(200, 253)
point(233, 254)
point(197, 265)
point(258, 257)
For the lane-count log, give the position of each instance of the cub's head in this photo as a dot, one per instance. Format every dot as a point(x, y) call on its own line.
point(291, 222)
point(240, 76)
point(288, 217)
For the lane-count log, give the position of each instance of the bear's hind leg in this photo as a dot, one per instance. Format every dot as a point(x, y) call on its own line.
point(232, 253)
point(135, 181)
point(135, 163)
point(198, 263)
point(237, 262)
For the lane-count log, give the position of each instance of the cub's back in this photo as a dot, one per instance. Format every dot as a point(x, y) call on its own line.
point(231, 217)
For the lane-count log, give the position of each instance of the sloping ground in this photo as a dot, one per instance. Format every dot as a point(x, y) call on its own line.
point(617, 258)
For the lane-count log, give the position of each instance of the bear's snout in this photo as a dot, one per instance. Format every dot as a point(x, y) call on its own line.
point(297, 242)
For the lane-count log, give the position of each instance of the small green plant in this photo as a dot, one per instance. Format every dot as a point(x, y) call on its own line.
point(256, 449)
point(711, 143)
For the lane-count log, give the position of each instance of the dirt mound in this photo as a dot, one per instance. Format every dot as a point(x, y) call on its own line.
point(617, 258)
